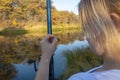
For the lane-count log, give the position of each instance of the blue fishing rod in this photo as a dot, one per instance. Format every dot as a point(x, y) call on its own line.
point(49, 29)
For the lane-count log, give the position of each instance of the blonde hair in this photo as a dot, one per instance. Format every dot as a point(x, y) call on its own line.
point(96, 22)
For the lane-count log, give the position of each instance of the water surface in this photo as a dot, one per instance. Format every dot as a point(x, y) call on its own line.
point(14, 64)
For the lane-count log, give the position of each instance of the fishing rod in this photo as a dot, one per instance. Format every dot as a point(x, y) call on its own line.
point(49, 29)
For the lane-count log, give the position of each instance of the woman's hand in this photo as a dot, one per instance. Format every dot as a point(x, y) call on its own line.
point(48, 46)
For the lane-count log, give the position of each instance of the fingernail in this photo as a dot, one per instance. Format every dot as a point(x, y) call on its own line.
point(57, 39)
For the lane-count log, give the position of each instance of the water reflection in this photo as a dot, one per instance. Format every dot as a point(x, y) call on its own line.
point(7, 70)
point(59, 58)
point(17, 51)
point(25, 71)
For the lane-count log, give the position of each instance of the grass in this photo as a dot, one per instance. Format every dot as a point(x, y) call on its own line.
point(79, 60)
point(19, 49)
point(18, 44)
point(12, 31)
point(37, 30)
point(22, 43)
point(42, 29)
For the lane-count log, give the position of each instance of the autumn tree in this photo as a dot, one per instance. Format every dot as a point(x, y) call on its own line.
point(22, 12)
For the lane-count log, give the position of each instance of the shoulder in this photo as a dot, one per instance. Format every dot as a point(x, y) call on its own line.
point(84, 75)
point(93, 75)
point(80, 76)
point(103, 75)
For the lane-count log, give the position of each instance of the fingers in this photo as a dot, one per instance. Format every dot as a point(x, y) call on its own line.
point(50, 39)
point(55, 40)
point(46, 38)
point(49, 44)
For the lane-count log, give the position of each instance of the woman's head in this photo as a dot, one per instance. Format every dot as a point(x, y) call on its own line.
point(100, 22)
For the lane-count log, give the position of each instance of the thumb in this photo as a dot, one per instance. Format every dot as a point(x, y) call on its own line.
point(54, 41)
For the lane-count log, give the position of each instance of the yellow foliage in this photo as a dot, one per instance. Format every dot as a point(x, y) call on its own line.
point(14, 22)
point(16, 42)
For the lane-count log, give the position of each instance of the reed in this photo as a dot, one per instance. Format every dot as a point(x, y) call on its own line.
point(79, 60)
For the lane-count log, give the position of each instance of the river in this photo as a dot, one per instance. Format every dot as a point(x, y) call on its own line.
point(20, 69)
point(26, 71)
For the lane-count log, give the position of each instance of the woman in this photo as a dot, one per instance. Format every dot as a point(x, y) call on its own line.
point(100, 21)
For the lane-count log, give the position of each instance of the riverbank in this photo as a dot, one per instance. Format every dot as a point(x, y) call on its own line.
point(17, 44)
point(79, 60)
point(38, 30)
point(23, 44)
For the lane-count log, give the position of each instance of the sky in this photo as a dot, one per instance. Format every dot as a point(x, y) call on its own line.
point(70, 5)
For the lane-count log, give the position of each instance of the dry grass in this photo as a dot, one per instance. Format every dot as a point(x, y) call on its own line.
point(79, 60)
